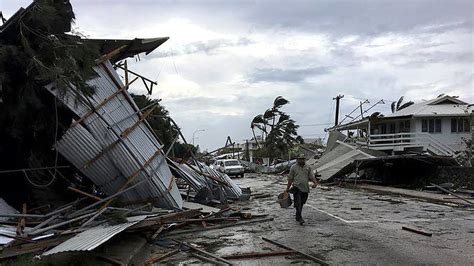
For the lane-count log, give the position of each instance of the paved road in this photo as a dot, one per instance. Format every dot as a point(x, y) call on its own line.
point(340, 235)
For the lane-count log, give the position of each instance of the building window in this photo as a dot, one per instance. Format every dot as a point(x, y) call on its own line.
point(431, 125)
point(460, 125)
point(391, 128)
point(404, 126)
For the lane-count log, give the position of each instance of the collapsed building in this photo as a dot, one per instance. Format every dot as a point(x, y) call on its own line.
point(78, 143)
point(405, 145)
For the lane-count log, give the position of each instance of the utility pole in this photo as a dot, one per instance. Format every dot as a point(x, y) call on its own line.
point(338, 98)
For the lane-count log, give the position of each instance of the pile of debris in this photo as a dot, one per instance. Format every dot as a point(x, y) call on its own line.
point(79, 226)
point(113, 157)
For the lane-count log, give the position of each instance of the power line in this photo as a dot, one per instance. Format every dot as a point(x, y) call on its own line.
point(315, 125)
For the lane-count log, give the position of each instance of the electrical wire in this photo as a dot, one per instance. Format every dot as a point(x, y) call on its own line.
point(56, 155)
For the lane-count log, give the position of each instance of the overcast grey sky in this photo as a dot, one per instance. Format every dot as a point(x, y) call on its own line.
point(226, 61)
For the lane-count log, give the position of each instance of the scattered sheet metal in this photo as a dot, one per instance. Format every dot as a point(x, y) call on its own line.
point(5, 231)
point(93, 237)
point(6, 209)
point(233, 191)
point(99, 148)
point(333, 161)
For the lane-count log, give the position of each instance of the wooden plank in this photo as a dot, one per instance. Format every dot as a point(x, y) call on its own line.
point(452, 193)
point(110, 55)
point(158, 232)
point(160, 257)
point(259, 255)
point(32, 247)
point(160, 220)
point(205, 253)
point(218, 226)
point(45, 222)
point(89, 113)
point(84, 193)
point(313, 258)
point(417, 231)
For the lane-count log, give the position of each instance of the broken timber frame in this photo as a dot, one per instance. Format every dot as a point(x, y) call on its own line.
point(124, 67)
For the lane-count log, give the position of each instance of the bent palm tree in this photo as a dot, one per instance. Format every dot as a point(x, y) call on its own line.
point(397, 106)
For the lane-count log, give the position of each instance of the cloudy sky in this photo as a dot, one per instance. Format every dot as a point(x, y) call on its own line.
point(226, 61)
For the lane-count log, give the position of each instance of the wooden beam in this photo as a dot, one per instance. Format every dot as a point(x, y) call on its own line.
point(159, 257)
point(89, 113)
point(84, 193)
point(205, 253)
point(417, 231)
point(259, 255)
point(126, 75)
point(162, 219)
point(110, 55)
point(313, 258)
point(452, 193)
point(219, 226)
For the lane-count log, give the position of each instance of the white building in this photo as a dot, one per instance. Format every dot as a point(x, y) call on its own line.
point(439, 126)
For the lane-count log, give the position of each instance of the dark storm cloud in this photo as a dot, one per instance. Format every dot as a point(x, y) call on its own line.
point(286, 75)
point(336, 17)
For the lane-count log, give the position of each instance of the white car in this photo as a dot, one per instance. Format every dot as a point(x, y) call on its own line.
point(231, 167)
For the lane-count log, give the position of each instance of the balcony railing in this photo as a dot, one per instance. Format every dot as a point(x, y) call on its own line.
point(402, 141)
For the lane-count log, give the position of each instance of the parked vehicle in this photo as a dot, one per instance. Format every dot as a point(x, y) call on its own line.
point(231, 167)
point(216, 164)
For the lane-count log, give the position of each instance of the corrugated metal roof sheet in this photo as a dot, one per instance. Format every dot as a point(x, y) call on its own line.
point(7, 230)
point(6, 209)
point(94, 237)
point(435, 107)
point(140, 149)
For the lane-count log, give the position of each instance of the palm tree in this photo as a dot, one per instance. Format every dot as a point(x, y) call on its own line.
point(397, 106)
point(259, 122)
point(277, 127)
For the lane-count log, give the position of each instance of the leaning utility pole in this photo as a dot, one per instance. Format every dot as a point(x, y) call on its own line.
point(338, 98)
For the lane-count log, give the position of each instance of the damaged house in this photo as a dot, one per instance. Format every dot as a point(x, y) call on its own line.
point(439, 126)
point(436, 132)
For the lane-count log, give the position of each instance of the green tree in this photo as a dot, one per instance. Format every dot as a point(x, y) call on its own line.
point(36, 51)
point(164, 129)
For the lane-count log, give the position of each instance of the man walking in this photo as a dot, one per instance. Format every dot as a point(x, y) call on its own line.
point(298, 179)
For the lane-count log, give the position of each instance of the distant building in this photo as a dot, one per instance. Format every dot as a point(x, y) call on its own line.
point(316, 141)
